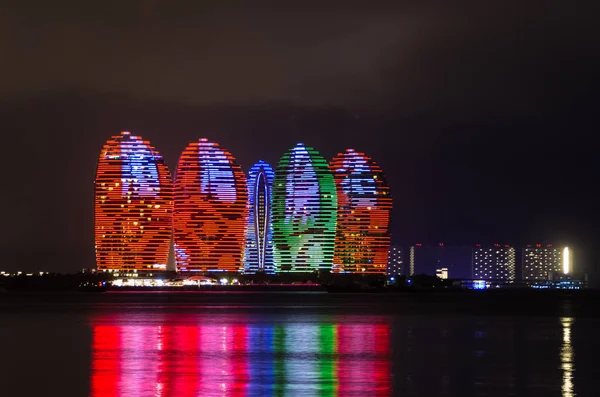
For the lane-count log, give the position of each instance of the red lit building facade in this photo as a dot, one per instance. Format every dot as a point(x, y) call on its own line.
point(133, 206)
point(364, 208)
point(210, 214)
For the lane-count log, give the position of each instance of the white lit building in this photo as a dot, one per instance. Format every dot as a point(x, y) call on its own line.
point(543, 262)
point(496, 262)
point(395, 266)
point(442, 273)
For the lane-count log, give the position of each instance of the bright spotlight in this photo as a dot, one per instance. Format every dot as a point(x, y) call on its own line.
point(566, 261)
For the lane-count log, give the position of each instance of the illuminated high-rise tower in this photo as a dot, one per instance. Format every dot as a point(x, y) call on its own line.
point(133, 206)
point(209, 219)
point(395, 261)
point(304, 212)
point(495, 262)
point(364, 204)
point(259, 235)
point(542, 262)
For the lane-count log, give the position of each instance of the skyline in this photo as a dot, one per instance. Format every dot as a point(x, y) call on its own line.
point(418, 181)
point(307, 215)
point(209, 189)
point(483, 116)
point(431, 241)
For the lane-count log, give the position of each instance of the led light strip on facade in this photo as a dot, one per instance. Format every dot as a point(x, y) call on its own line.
point(259, 237)
point(304, 212)
point(133, 206)
point(364, 205)
point(209, 221)
point(308, 215)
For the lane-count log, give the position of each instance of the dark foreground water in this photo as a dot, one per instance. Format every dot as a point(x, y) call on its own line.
point(294, 345)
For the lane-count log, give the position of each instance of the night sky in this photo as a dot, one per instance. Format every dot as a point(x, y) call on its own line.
point(481, 115)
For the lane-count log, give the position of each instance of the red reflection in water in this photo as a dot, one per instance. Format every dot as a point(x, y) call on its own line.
point(124, 361)
point(223, 359)
point(203, 357)
point(107, 353)
point(178, 361)
point(363, 363)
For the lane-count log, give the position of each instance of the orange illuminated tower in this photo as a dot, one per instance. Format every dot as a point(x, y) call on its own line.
point(133, 206)
point(364, 209)
point(209, 221)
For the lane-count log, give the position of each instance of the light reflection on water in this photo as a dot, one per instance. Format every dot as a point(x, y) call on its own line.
point(567, 358)
point(231, 356)
point(200, 352)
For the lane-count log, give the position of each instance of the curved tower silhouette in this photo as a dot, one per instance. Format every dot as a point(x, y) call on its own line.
point(210, 212)
point(364, 205)
point(133, 206)
point(259, 237)
point(304, 212)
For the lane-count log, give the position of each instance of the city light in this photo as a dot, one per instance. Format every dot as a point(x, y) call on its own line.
point(395, 265)
point(133, 205)
point(210, 354)
point(211, 209)
point(442, 273)
point(306, 216)
point(495, 262)
point(259, 235)
point(541, 262)
point(479, 284)
point(304, 212)
point(364, 204)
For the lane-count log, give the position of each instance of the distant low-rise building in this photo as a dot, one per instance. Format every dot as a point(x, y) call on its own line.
point(442, 273)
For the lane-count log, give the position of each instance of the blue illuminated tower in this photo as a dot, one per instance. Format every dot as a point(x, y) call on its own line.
point(259, 237)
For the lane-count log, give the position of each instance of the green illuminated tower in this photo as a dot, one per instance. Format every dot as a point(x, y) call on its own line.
point(304, 212)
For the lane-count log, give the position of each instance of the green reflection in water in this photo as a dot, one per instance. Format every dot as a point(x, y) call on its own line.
point(328, 361)
point(279, 352)
point(325, 354)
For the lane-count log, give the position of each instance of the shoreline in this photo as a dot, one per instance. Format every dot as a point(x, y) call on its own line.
point(528, 303)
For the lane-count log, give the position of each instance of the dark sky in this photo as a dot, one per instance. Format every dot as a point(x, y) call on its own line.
point(481, 113)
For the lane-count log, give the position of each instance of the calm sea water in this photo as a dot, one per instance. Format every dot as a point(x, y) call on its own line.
point(288, 345)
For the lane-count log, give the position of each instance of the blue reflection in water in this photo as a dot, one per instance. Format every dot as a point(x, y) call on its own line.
point(261, 356)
